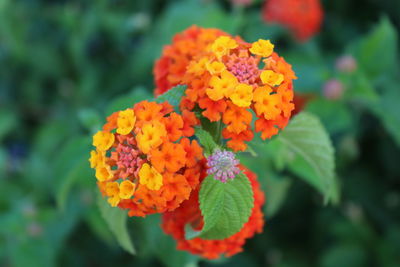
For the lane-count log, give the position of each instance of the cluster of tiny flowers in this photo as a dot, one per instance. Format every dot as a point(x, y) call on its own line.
point(189, 213)
point(302, 17)
point(143, 159)
point(229, 80)
point(223, 165)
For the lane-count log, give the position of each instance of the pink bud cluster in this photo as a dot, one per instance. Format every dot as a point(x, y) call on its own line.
point(223, 165)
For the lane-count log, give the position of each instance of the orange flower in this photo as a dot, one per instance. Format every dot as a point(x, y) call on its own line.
point(269, 128)
point(212, 109)
point(287, 96)
point(147, 111)
point(174, 223)
point(174, 183)
point(151, 136)
point(194, 152)
point(236, 118)
point(193, 174)
point(111, 122)
point(189, 120)
point(267, 104)
point(171, 157)
point(222, 86)
point(302, 17)
point(173, 126)
point(237, 140)
point(142, 162)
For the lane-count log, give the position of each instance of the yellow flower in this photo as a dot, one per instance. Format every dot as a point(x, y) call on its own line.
point(103, 173)
point(126, 121)
point(266, 104)
point(96, 158)
point(262, 48)
point(103, 140)
point(242, 95)
point(197, 67)
point(150, 177)
point(223, 86)
point(215, 67)
point(126, 189)
point(222, 45)
point(151, 136)
point(112, 191)
point(271, 78)
point(114, 201)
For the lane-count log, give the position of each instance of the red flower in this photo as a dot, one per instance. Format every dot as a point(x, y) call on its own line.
point(302, 17)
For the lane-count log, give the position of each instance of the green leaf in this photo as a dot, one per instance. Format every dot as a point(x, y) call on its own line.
point(206, 141)
point(344, 255)
point(376, 53)
point(3, 161)
point(225, 207)
point(8, 122)
point(335, 115)
point(79, 174)
point(306, 137)
point(276, 188)
point(387, 109)
point(90, 119)
point(173, 96)
point(98, 226)
point(251, 151)
point(116, 220)
point(359, 88)
point(70, 167)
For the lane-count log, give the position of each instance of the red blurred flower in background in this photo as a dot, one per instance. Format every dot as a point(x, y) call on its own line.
point(302, 17)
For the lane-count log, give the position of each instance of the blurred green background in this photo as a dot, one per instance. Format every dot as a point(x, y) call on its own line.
point(65, 65)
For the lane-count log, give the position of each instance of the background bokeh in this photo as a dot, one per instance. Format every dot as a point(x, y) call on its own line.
point(65, 65)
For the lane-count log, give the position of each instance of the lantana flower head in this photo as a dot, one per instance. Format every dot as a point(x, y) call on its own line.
point(144, 160)
point(302, 17)
point(174, 223)
point(230, 81)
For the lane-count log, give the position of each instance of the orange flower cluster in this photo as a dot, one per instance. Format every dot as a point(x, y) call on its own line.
point(302, 17)
point(144, 161)
point(174, 223)
point(228, 79)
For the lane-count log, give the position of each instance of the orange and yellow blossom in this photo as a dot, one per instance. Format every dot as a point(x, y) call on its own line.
point(126, 121)
point(227, 79)
point(150, 177)
point(142, 155)
point(221, 86)
point(151, 136)
point(103, 140)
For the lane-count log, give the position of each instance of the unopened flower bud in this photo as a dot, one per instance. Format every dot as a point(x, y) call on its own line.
point(223, 165)
point(346, 63)
point(333, 89)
